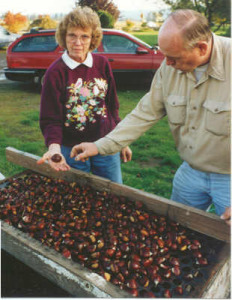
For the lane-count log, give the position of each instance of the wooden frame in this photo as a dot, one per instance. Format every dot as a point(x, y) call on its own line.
point(79, 281)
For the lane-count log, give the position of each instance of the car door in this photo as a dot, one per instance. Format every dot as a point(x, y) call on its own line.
point(35, 52)
point(122, 53)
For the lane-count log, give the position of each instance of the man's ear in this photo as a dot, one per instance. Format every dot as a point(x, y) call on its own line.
point(203, 47)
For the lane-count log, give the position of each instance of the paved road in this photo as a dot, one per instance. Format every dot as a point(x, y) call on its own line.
point(2, 58)
point(2, 63)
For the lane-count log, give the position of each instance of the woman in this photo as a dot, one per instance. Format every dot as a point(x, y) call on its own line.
point(79, 101)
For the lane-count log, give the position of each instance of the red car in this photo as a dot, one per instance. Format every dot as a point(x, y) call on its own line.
point(31, 54)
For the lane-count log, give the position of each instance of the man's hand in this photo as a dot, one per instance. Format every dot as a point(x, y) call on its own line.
point(227, 215)
point(126, 154)
point(83, 151)
point(54, 149)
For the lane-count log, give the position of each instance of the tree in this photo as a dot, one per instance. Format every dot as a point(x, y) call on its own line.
point(15, 22)
point(106, 19)
point(216, 11)
point(106, 5)
point(44, 22)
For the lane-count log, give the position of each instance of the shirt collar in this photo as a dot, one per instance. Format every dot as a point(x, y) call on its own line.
point(216, 64)
point(72, 64)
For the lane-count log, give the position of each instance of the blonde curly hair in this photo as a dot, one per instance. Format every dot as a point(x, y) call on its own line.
point(83, 17)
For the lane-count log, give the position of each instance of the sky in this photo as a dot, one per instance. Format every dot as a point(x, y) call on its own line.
point(26, 7)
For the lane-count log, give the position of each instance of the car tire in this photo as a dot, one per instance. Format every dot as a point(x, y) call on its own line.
point(41, 80)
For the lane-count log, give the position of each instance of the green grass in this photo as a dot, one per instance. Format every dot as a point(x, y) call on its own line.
point(154, 156)
point(150, 37)
point(19, 114)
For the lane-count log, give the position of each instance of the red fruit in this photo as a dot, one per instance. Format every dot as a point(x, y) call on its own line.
point(202, 261)
point(134, 265)
point(160, 260)
point(176, 270)
point(148, 294)
point(167, 294)
point(132, 284)
point(197, 254)
point(174, 246)
point(152, 270)
point(156, 279)
point(133, 292)
point(136, 257)
point(160, 243)
point(110, 252)
point(125, 247)
point(167, 274)
point(147, 262)
point(179, 290)
point(174, 261)
point(197, 243)
point(66, 253)
point(56, 158)
point(145, 252)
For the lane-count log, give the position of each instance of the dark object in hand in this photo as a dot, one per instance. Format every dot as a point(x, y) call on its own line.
point(56, 158)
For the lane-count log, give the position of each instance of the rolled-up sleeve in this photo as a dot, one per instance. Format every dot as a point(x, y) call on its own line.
point(148, 111)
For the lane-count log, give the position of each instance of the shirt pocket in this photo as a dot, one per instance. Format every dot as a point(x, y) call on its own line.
point(217, 117)
point(176, 109)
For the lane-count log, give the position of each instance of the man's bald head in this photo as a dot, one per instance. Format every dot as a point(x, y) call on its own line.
point(188, 25)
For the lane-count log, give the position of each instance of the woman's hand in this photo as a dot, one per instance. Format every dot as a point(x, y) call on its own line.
point(126, 154)
point(55, 159)
point(83, 151)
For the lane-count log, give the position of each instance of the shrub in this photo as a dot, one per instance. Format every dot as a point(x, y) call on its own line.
point(106, 19)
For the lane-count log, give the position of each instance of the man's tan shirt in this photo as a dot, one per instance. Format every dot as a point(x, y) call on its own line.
point(198, 112)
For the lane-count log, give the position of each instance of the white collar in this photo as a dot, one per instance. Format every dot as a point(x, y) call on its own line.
point(72, 64)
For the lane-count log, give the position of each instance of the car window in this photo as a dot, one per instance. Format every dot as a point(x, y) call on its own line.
point(118, 44)
point(40, 43)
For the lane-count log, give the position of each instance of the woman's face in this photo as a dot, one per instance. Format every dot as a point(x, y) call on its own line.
point(78, 41)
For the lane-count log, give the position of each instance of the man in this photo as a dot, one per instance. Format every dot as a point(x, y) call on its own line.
point(191, 87)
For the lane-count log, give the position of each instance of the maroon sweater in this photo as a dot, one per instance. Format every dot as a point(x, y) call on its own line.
point(78, 105)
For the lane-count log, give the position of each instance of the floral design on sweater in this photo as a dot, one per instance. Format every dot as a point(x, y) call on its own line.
point(86, 102)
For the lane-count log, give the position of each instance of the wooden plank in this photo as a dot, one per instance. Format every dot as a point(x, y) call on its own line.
point(220, 284)
point(189, 217)
point(29, 161)
point(70, 276)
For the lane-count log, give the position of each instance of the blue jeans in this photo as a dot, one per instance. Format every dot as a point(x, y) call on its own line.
point(200, 189)
point(108, 166)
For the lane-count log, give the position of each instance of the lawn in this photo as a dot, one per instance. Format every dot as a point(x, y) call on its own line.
point(154, 156)
point(150, 36)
